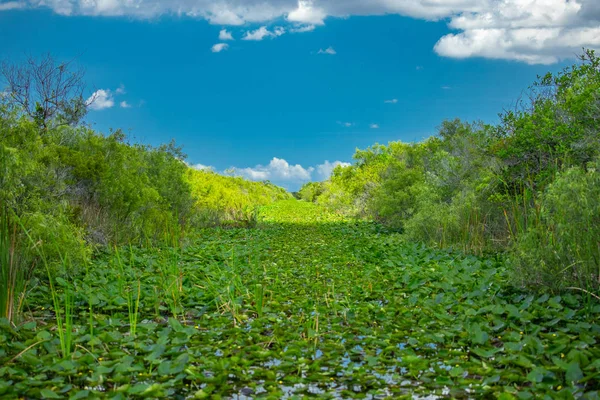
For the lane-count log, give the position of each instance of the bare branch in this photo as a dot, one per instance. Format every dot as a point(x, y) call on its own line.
point(47, 91)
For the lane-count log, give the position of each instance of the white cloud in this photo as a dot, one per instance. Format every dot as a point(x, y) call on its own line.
point(392, 101)
point(307, 13)
point(282, 172)
point(277, 170)
point(219, 16)
point(263, 32)
point(330, 50)
point(446, 87)
point(11, 5)
point(302, 29)
point(219, 47)
point(225, 35)
point(100, 100)
point(531, 31)
point(258, 34)
point(324, 170)
point(374, 126)
point(201, 167)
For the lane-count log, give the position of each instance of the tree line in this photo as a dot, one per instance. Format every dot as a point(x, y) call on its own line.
point(67, 191)
point(528, 186)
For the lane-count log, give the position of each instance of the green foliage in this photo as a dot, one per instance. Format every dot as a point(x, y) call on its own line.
point(14, 271)
point(220, 199)
point(481, 188)
point(312, 303)
point(315, 300)
point(558, 129)
point(348, 189)
point(310, 191)
point(73, 191)
point(560, 246)
point(73, 185)
point(393, 201)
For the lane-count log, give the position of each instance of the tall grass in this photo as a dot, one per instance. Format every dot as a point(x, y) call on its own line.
point(11, 274)
point(128, 290)
point(171, 272)
point(63, 307)
point(556, 239)
point(63, 310)
point(16, 267)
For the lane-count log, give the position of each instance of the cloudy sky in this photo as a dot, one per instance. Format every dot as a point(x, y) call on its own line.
point(284, 89)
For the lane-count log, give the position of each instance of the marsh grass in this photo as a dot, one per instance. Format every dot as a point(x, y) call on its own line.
point(63, 305)
point(259, 297)
point(172, 280)
point(555, 233)
point(10, 273)
point(127, 280)
point(16, 267)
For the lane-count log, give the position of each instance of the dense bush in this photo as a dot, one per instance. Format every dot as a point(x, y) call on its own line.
point(528, 185)
point(310, 191)
point(72, 189)
point(561, 243)
point(222, 199)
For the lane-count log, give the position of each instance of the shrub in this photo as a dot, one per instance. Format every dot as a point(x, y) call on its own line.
point(561, 246)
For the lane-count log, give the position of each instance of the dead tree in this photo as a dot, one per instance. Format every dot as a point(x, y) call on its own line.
point(47, 91)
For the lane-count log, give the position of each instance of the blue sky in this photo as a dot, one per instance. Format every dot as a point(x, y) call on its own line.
point(320, 79)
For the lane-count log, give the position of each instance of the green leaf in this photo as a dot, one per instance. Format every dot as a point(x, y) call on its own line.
point(536, 375)
point(506, 396)
point(139, 388)
point(176, 325)
point(573, 373)
point(80, 394)
point(49, 394)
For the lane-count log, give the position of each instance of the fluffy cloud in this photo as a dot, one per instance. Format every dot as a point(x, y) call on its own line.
point(324, 170)
point(282, 172)
point(374, 126)
point(277, 170)
point(263, 32)
point(531, 31)
point(219, 47)
point(225, 35)
point(201, 167)
point(391, 101)
point(330, 50)
point(100, 100)
point(11, 5)
point(307, 13)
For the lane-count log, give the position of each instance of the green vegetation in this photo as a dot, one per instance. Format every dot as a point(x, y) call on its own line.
point(465, 266)
point(223, 199)
point(67, 192)
point(309, 303)
point(527, 187)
